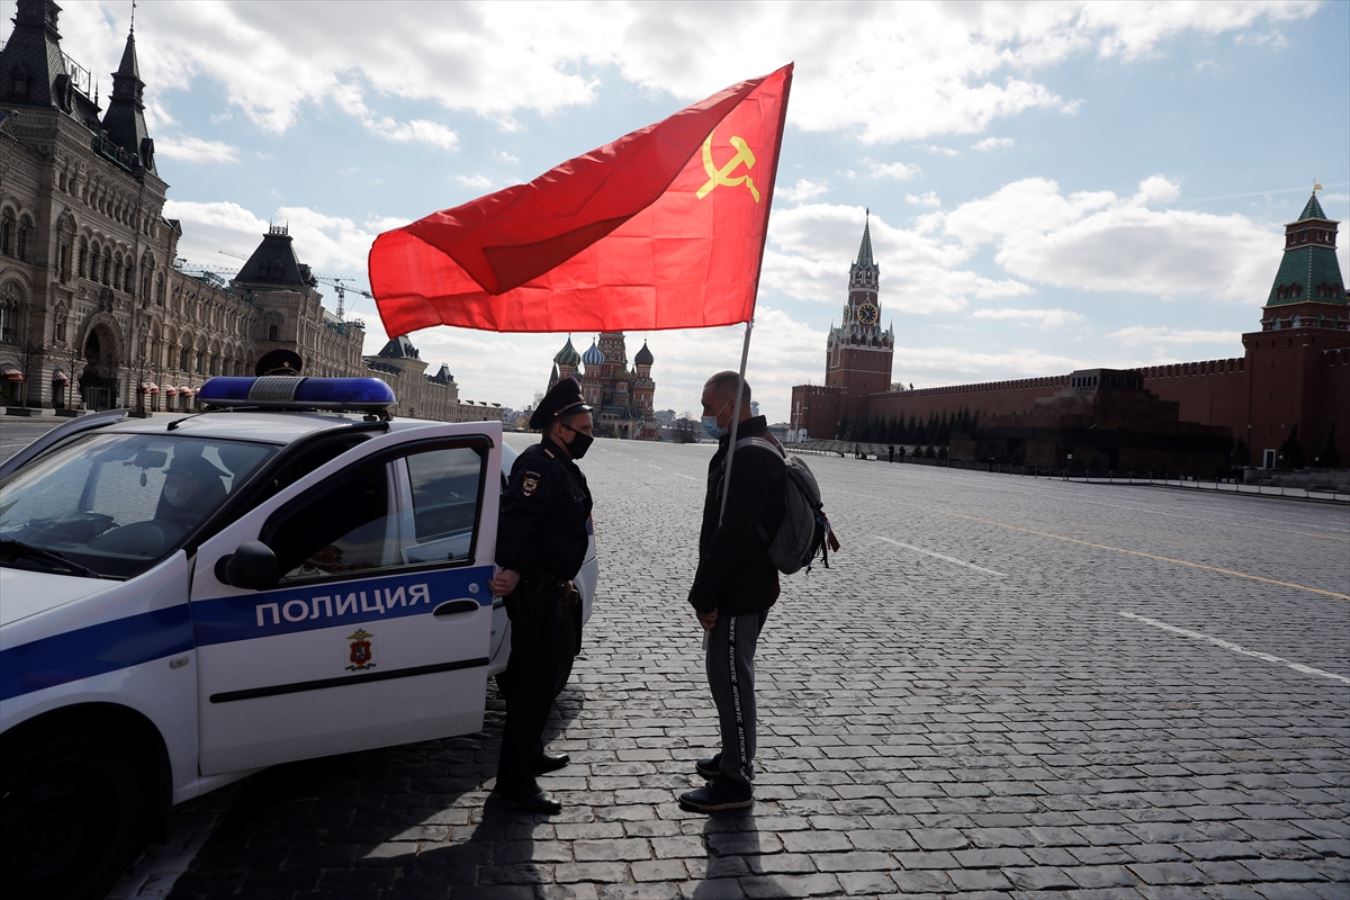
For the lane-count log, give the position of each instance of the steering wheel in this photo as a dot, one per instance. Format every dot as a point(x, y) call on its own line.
point(81, 526)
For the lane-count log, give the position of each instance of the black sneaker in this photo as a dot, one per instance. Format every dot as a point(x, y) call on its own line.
point(718, 795)
point(710, 767)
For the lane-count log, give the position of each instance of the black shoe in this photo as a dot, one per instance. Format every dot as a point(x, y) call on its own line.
point(719, 795)
point(529, 797)
point(709, 768)
point(550, 762)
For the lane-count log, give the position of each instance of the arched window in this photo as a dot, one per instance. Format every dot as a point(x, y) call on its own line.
point(82, 263)
point(21, 246)
point(183, 357)
point(6, 233)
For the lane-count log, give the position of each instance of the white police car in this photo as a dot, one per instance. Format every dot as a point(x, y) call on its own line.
point(290, 574)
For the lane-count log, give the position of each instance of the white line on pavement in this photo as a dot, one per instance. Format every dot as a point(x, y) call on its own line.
point(656, 467)
point(690, 477)
point(1228, 645)
point(940, 556)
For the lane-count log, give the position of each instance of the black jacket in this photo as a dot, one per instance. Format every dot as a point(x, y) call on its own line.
point(541, 530)
point(734, 574)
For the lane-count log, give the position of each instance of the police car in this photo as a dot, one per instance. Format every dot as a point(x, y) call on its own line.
point(291, 573)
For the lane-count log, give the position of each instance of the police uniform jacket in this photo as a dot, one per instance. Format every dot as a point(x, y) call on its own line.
point(541, 531)
point(735, 575)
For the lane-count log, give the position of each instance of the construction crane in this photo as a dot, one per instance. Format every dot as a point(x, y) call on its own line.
point(213, 273)
point(337, 281)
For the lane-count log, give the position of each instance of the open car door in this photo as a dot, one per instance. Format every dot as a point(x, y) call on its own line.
point(375, 628)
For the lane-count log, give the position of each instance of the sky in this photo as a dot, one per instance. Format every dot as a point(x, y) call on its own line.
point(1051, 186)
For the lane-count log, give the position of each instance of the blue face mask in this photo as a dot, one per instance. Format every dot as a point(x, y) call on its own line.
point(712, 428)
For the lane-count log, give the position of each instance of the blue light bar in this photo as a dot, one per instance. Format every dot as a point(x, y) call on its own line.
point(290, 392)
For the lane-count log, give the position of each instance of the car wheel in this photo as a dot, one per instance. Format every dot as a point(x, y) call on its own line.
point(71, 816)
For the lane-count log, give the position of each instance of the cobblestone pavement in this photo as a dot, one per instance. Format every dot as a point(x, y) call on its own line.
point(1004, 687)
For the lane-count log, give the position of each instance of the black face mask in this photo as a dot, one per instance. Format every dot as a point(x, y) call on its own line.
point(579, 443)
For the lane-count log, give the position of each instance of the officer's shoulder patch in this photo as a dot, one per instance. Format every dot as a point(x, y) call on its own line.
point(530, 483)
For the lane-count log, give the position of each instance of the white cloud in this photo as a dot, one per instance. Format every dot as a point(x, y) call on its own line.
point(1147, 334)
point(942, 151)
point(477, 181)
point(351, 100)
point(1097, 241)
point(991, 144)
point(897, 170)
point(328, 244)
point(929, 199)
point(962, 66)
point(803, 190)
point(1045, 318)
point(1157, 189)
point(810, 246)
point(197, 150)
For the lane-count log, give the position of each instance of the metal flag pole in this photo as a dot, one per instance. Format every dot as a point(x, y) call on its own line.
point(735, 420)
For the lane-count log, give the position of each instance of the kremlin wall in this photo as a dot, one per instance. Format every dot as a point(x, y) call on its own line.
point(1188, 417)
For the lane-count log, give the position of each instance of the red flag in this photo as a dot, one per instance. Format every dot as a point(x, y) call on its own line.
point(664, 228)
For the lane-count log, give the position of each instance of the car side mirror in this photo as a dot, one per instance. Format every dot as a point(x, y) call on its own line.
point(253, 565)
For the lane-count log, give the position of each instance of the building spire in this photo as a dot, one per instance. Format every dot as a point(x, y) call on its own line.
point(865, 251)
point(125, 119)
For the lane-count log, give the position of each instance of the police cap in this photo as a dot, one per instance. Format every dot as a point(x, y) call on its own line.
point(563, 400)
point(278, 362)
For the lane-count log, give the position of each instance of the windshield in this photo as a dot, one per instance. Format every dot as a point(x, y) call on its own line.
point(115, 504)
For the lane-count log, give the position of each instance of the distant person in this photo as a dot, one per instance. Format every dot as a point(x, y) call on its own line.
point(541, 544)
point(734, 587)
point(890, 453)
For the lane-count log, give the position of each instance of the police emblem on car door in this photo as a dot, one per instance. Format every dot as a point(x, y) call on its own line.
point(385, 550)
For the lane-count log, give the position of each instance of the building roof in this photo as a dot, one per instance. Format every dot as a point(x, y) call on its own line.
point(568, 355)
point(1312, 210)
point(1309, 270)
point(593, 356)
point(275, 262)
point(400, 348)
point(442, 375)
point(125, 119)
point(644, 356)
point(865, 249)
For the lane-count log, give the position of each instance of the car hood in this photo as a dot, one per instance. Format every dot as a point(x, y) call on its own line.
point(28, 593)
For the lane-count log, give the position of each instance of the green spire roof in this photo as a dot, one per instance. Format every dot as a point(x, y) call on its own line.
point(1313, 210)
point(865, 251)
point(1309, 271)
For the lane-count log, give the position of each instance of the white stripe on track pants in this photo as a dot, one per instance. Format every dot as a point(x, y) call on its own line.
point(729, 654)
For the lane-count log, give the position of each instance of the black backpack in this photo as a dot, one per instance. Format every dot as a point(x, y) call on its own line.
point(805, 531)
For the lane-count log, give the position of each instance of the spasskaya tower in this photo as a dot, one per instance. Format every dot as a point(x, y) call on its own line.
point(858, 352)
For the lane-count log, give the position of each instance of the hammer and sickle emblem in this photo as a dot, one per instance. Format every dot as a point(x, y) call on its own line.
point(721, 177)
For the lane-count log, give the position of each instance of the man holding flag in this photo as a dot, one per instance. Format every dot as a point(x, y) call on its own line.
point(663, 228)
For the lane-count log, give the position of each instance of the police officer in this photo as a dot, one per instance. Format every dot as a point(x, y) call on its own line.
point(541, 544)
point(278, 362)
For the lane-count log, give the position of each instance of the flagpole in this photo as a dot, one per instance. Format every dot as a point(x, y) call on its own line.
point(750, 322)
point(735, 420)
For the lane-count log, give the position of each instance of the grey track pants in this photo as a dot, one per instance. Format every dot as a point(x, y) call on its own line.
point(729, 652)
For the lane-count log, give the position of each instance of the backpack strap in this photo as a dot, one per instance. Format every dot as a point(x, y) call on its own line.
point(764, 442)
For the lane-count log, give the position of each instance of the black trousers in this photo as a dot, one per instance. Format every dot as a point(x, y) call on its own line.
point(529, 683)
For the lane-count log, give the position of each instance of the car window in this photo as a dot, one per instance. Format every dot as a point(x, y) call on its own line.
point(354, 523)
point(345, 525)
point(445, 486)
point(116, 503)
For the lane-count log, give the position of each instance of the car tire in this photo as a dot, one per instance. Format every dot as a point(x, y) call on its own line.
point(72, 814)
